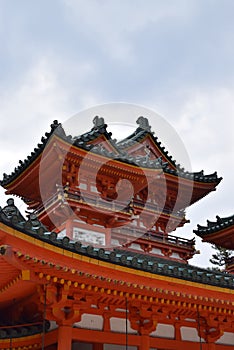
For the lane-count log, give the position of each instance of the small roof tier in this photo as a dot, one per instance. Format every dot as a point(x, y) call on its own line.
point(219, 232)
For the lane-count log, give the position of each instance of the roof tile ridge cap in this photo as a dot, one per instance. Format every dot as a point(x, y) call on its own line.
point(224, 221)
point(100, 126)
point(221, 220)
point(164, 151)
point(58, 130)
point(102, 130)
point(226, 218)
point(199, 176)
point(131, 137)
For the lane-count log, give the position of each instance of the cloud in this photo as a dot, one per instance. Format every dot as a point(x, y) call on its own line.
point(113, 25)
point(205, 122)
point(29, 106)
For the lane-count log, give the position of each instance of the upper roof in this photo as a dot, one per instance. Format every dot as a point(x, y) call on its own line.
point(219, 232)
point(121, 151)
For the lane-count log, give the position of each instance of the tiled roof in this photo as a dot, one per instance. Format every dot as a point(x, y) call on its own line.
point(83, 142)
point(215, 226)
point(138, 135)
point(151, 264)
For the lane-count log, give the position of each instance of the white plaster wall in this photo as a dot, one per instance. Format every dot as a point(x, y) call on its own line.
point(135, 246)
point(156, 251)
point(119, 325)
point(164, 331)
point(190, 334)
point(90, 322)
point(53, 325)
point(227, 338)
point(176, 256)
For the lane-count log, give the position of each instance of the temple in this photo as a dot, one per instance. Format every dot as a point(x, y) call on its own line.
point(96, 265)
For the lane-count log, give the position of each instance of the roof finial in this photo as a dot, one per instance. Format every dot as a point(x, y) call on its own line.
point(10, 211)
point(98, 122)
point(143, 123)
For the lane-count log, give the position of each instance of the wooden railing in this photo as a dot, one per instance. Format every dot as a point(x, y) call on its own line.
point(115, 205)
point(155, 236)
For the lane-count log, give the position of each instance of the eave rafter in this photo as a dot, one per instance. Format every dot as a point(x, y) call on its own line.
point(144, 311)
point(11, 284)
point(47, 272)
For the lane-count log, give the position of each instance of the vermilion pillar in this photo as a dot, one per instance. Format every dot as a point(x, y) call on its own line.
point(97, 346)
point(145, 343)
point(64, 338)
point(69, 228)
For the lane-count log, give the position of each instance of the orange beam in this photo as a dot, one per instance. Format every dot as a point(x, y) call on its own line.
point(85, 335)
point(100, 337)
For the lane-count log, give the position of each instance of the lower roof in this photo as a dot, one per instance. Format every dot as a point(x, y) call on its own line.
point(121, 257)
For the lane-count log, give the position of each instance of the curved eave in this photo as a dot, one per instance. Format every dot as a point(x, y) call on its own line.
point(29, 176)
point(86, 139)
point(216, 227)
point(188, 190)
point(200, 190)
point(220, 233)
point(208, 181)
point(197, 177)
point(14, 177)
point(84, 144)
point(44, 247)
point(26, 180)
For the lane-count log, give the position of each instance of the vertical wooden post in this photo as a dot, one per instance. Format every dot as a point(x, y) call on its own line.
point(108, 237)
point(64, 338)
point(211, 346)
point(145, 343)
point(177, 332)
point(97, 346)
point(69, 228)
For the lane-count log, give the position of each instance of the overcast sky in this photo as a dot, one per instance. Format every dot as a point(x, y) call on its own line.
point(58, 57)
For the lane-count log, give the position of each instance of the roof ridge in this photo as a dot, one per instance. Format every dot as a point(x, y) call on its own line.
point(215, 226)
